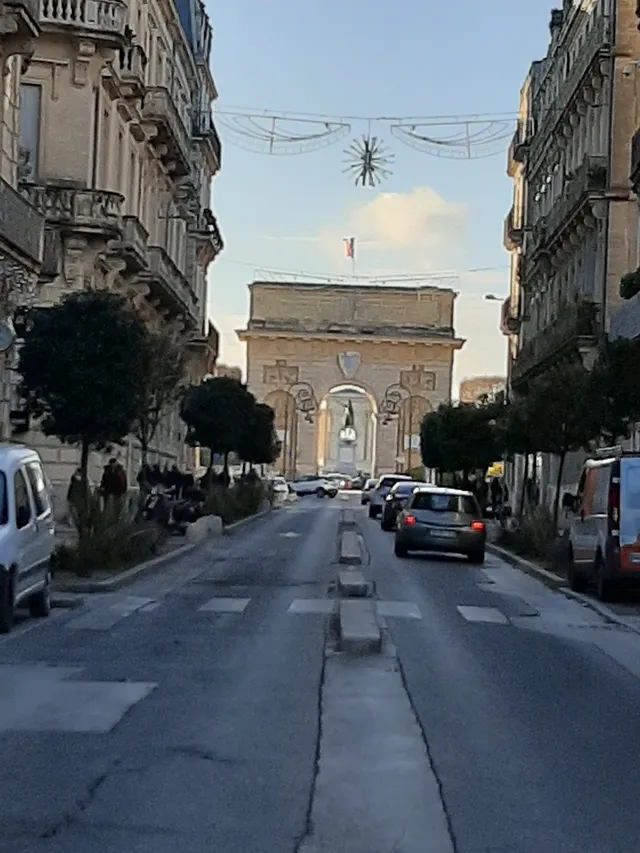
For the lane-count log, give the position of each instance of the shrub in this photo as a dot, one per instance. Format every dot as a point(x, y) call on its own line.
point(536, 537)
point(109, 539)
point(245, 498)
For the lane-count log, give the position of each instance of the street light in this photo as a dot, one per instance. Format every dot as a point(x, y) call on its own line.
point(491, 297)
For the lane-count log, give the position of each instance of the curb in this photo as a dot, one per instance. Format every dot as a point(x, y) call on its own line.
point(559, 584)
point(229, 528)
point(126, 577)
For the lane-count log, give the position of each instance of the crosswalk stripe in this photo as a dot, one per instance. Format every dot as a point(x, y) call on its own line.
point(313, 605)
point(482, 614)
point(225, 605)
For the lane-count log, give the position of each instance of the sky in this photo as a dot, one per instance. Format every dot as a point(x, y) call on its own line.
point(413, 58)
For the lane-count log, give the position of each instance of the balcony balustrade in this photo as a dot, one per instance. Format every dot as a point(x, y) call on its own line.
point(21, 225)
point(97, 17)
point(172, 137)
point(170, 285)
point(78, 209)
point(203, 127)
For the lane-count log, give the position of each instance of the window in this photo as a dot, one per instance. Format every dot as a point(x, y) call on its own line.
point(22, 501)
point(30, 101)
point(435, 502)
point(38, 488)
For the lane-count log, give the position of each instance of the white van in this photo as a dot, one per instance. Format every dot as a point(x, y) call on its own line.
point(604, 532)
point(27, 534)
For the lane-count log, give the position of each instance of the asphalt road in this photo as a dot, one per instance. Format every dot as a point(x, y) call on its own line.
point(204, 709)
point(530, 704)
point(214, 714)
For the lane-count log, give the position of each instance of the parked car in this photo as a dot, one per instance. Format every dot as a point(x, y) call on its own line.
point(444, 520)
point(340, 481)
point(280, 487)
point(314, 485)
point(604, 529)
point(382, 489)
point(27, 534)
point(367, 491)
point(396, 501)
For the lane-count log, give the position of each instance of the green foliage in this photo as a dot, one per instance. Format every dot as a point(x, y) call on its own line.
point(216, 412)
point(242, 500)
point(82, 367)
point(459, 437)
point(630, 284)
point(109, 540)
point(164, 370)
point(614, 390)
point(258, 441)
point(536, 538)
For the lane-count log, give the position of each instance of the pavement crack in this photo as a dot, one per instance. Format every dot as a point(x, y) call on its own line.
point(427, 746)
point(308, 821)
point(81, 804)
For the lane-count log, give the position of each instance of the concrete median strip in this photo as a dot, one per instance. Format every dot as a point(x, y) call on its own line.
point(353, 584)
point(359, 628)
point(350, 550)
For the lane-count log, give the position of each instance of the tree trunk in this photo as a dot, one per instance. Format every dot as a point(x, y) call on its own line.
point(83, 508)
point(227, 479)
point(523, 488)
point(556, 502)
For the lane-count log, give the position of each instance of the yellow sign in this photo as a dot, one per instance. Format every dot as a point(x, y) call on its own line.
point(496, 470)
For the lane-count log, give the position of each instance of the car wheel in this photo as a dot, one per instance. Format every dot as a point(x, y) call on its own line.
point(6, 603)
point(577, 579)
point(320, 493)
point(400, 551)
point(604, 587)
point(476, 557)
point(40, 602)
point(333, 494)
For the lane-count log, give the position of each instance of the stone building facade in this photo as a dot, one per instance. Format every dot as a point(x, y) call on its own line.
point(395, 344)
point(578, 231)
point(478, 388)
point(117, 149)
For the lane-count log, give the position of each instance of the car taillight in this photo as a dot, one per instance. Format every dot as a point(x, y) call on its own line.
point(410, 520)
point(477, 525)
point(614, 503)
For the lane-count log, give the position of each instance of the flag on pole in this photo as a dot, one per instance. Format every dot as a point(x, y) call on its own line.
point(350, 247)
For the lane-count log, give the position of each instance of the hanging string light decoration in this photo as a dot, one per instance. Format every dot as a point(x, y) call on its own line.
point(368, 161)
point(272, 134)
point(465, 139)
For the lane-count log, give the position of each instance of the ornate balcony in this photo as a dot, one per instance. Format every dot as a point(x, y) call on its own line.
point(132, 248)
point(517, 149)
point(208, 238)
point(169, 285)
point(204, 129)
point(589, 181)
point(130, 68)
point(205, 350)
point(74, 209)
point(512, 235)
point(575, 328)
point(172, 140)
point(21, 226)
point(96, 18)
point(509, 324)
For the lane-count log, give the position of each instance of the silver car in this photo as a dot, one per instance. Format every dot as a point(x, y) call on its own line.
point(441, 520)
point(379, 494)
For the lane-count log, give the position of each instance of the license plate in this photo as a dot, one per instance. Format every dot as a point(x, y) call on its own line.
point(442, 534)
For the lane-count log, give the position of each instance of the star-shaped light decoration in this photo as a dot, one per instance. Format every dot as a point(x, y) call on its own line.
point(367, 161)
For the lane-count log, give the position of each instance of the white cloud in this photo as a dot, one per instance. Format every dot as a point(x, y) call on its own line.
point(427, 229)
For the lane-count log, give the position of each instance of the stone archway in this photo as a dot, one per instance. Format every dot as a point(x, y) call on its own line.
point(395, 343)
point(347, 454)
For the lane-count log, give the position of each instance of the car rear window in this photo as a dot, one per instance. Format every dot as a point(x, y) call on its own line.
point(444, 503)
point(388, 482)
point(404, 488)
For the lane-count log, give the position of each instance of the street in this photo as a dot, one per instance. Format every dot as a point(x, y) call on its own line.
point(205, 709)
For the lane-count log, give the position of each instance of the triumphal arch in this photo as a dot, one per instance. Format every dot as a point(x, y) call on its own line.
point(350, 370)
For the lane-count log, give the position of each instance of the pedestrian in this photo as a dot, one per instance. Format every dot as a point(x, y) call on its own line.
point(113, 486)
point(76, 494)
point(496, 495)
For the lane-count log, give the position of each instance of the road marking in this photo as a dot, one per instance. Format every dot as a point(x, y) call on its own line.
point(100, 618)
point(290, 535)
point(482, 614)
point(313, 605)
point(399, 610)
point(148, 608)
point(225, 605)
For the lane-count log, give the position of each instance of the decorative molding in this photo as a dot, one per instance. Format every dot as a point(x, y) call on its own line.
point(418, 379)
point(280, 375)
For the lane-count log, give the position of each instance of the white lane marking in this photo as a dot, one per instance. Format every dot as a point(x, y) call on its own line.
point(290, 535)
point(399, 610)
point(148, 608)
point(313, 605)
point(225, 605)
point(100, 618)
point(482, 614)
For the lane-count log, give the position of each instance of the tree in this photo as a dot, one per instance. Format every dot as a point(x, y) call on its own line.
point(216, 413)
point(558, 411)
point(259, 443)
point(614, 390)
point(459, 438)
point(82, 368)
point(165, 365)
point(516, 434)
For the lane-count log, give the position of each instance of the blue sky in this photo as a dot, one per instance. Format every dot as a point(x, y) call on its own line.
point(412, 58)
